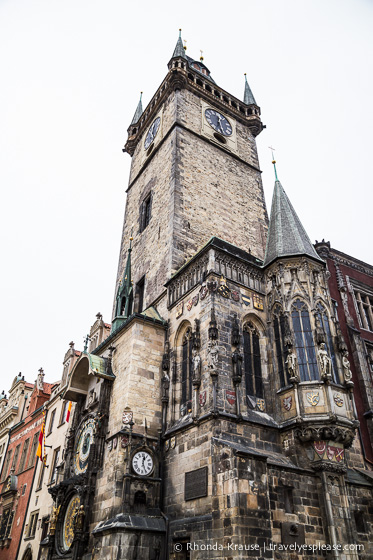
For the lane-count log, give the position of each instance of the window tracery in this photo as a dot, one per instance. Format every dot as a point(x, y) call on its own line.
point(304, 342)
point(252, 361)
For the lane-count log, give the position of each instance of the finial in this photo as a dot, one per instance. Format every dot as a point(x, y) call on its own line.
point(201, 57)
point(185, 47)
point(180, 33)
point(273, 161)
point(131, 239)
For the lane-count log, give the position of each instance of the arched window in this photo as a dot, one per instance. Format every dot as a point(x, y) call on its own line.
point(186, 373)
point(252, 361)
point(324, 320)
point(304, 342)
point(279, 330)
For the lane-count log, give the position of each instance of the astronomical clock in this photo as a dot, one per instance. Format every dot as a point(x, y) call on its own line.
point(83, 454)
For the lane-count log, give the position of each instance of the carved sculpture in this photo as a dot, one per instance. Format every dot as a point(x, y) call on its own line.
point(291, 362)
point(165, 385)
point(347, 374)
point(212, 355)
point(196, 360)
point(78, 518)
point(53, 520)
point(325, 361)
point(237, 366)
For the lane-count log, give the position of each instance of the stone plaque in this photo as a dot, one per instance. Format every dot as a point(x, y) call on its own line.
point(195, 484)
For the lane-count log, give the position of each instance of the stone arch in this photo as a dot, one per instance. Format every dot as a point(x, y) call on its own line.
point(27, 555)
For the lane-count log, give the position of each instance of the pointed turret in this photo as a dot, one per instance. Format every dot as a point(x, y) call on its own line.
point(124, 295)
point(286, 235)
point(138, 111)
point(248, 97)
point(179, 49)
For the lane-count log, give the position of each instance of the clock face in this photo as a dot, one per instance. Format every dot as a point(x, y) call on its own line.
point(83, 446)
point(218, 122)
point(142, 463)
point(67, 535)
point(152, 132)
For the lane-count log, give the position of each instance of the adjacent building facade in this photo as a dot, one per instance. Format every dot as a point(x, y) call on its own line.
point(18, 472)
point(217, 417)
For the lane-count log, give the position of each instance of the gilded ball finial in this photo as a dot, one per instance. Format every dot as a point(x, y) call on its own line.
point(185, 47)
point(131, 238)
point(273, 161)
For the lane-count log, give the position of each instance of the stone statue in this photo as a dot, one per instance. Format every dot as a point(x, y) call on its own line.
point(291, 362)
point(237, 366)
point(78, 518)
point(53, 520)
point(347, 374)
point(165, 385)
point(325, 361)
point(212, 355)
point(196, 360)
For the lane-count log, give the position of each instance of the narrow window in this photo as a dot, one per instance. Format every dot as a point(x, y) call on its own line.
point(34, 447)
point(44, 528)
point(6, 465)
point(6, 523)
point(140, 288)
point(41, 474)
point(186, 373)
point(145, 212)
point(279, 330)
point(53, 415)
point(15, 457)
point(288, 499)
point(24, 455)
point(64, 412)
point(32, 524)
point(56, 457)
point(304, 342)
point(252, 361)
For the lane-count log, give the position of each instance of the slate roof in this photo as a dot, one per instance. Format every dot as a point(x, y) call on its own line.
point(286, 235)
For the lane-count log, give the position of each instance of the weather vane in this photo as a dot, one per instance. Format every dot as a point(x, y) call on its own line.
point(273, 161)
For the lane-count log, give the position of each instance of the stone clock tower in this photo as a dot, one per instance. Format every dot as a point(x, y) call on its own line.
point(194, 175)
point(217, 419)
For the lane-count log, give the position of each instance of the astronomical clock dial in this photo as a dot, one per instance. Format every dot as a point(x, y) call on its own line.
point(83, 446)
point(152, 132)
point(142, 463)
point(67, 529)
point(218, 122)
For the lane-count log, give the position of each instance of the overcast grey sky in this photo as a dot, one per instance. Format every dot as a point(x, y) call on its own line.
point(71, 73)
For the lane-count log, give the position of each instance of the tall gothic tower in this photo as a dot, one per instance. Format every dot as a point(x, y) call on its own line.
point(194, 175)
point(217, 419)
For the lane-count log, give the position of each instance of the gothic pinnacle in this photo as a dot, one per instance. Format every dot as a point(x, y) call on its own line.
point(138, 111)
point(179, 49)
point(248, 97)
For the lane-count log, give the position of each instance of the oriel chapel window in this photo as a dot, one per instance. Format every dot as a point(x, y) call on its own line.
point(304, 342)
point(186, 372)
point(324, 320)
point(252, 361)
point(279, 331)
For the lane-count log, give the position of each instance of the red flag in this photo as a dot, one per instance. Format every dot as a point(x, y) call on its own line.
point(68, 411)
